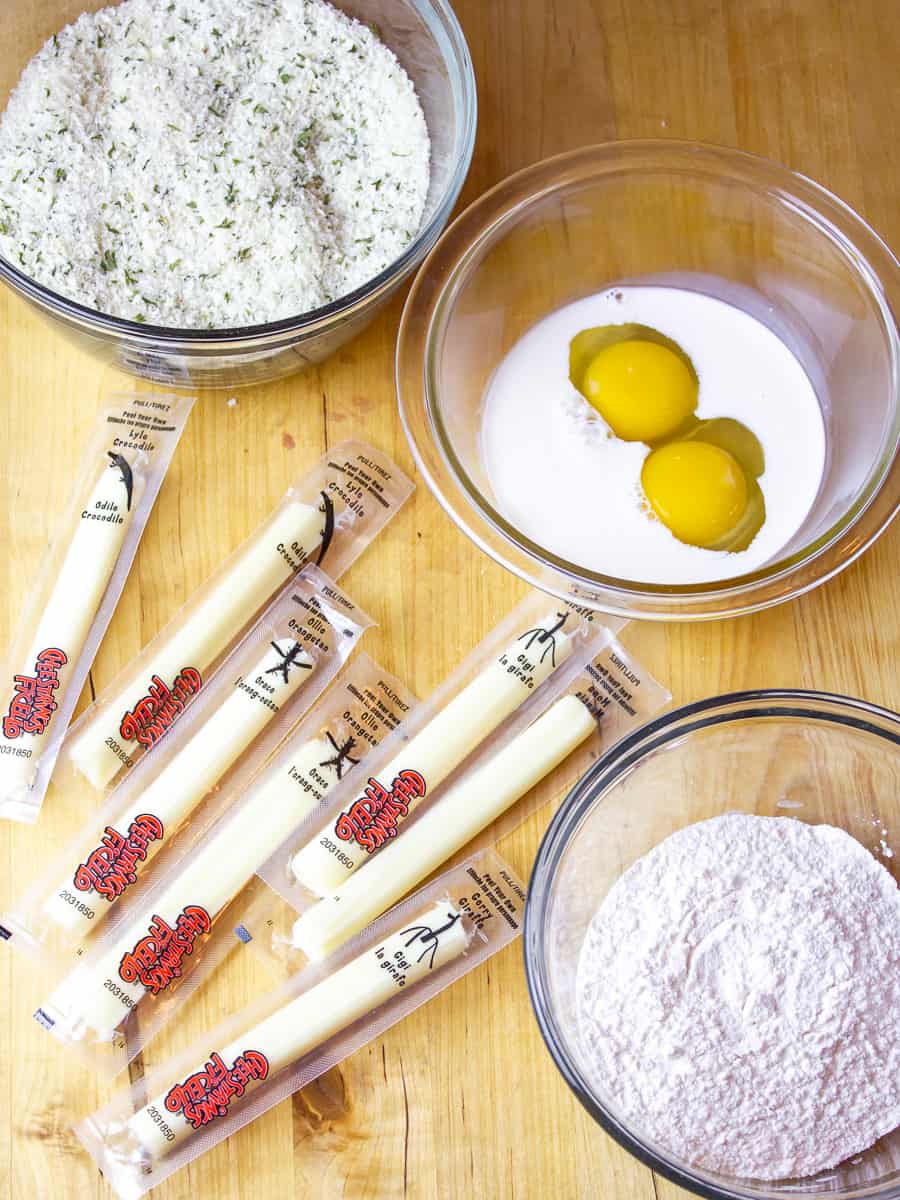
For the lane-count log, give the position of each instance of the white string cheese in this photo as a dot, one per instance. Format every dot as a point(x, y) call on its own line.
point(327, 860)
point(67, 618)
point(86, 898)
point(423, 944)
point(95, 998)
point(259, 570)
point(466, 809)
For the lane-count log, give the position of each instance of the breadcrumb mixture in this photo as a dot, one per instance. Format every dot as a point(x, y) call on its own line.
point(211, 165)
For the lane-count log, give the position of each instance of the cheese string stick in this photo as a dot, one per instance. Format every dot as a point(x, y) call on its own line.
point(433, 753)
point(259, 571)
point(467, 808)
point(423, 944)
point(67, 619)
point(147, 955)
point(81, 902)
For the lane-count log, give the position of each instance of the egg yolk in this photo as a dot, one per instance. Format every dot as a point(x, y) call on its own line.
point(643, 390)
point(698, 490)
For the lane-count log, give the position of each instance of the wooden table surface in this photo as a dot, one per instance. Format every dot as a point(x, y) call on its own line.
point(460, 1100)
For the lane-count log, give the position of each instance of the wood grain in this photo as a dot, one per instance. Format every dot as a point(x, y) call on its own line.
point(461, 1099)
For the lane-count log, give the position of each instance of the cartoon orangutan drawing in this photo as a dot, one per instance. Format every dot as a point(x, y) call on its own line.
point(342, 755)
point(289, 658)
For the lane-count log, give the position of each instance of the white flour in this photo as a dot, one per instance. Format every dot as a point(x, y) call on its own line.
point(739, 996)
point(210, 165)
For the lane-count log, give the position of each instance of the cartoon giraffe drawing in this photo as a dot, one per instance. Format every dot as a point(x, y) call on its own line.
point(545, 637)
point(429, 938)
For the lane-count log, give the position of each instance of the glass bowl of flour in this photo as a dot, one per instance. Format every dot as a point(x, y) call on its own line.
point(221, 194)
point(779, 300)
point(712, 945)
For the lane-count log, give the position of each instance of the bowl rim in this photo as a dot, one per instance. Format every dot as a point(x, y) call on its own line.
point(476, 516)
point(313, 320)
point(729, 707)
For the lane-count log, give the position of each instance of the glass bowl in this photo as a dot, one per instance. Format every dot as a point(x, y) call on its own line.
point(698, 217)
point(815, 757)
point(426, 38)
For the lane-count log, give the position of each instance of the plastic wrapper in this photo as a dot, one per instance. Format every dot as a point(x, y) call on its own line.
point(258, 694)
point(171, 937)
point(578, 712)
point(328, 517)
point(507, 679)
point(311, 1023)
point(79, 585)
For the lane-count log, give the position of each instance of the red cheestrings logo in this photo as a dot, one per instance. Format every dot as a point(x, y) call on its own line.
point(156, 959)
point(155, 714)
point(207, 1094)
point(113, 866)
point(34, 699)
point(374, 817)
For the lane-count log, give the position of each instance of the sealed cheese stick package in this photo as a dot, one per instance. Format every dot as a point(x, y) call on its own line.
point(257, 695)
point(78, 588)
point(314, 1021)
point(328, 518)
point(167, 940)
point(538, 641)
point(592, 714)
point(483, 793)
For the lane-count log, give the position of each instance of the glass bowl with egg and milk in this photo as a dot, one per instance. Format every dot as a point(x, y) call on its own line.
point(712, 946)
point(221, 194)
point(658, 378)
